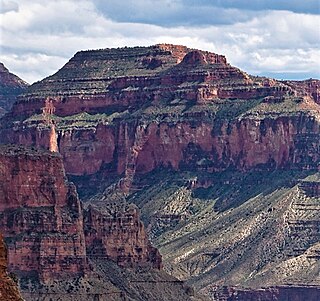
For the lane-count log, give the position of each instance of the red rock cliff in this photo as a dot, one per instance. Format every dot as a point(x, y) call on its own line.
point(205, 144)
point(132, 110)
point(8, 289)
point(310, 87)
point(42, 220)
point(40, 215)
point(117, 233)
point(118, 112)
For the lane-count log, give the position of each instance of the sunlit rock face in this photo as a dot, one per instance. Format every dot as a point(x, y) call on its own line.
point(48, 234)
point(131, 110)
point(217, 160)
point(40, 215)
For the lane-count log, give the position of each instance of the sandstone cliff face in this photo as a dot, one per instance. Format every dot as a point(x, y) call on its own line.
point(42, 220)
point(205, 144)
point(198, 145)
point(310, 88)
point(118, 234)
point(8, 289)
point(132, 110)
point(40, 215)
point(125, 113)
point(10, 87)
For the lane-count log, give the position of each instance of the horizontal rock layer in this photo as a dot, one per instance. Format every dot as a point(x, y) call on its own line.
point(205, 144)
point(118, 234)
point(131, 110)
point(41, 216)
point(124, 113)
point(42, 220)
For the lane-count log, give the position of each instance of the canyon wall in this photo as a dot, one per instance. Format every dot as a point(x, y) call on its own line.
point(132, 110)
point(197, 143)
point(117, 233)
point(48, 234)
point(41, 216)
point(166, 111)
point(309, 87)
point(8, 288)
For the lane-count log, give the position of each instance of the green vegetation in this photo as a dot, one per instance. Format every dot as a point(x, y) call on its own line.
point(288, 107)
point(81, 120)
point(18, 150)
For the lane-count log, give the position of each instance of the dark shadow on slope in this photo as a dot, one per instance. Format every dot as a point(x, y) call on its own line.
point(231, 188)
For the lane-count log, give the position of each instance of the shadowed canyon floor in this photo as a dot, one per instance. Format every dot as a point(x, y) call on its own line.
point(244, 230)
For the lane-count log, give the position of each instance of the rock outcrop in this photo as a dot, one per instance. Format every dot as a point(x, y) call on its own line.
point(132, 110)
point(309, 87)
point(42, 220)
point(117, 233)
point(8, 288)
point(10, 87)
point(214, 158)
point(40, 215)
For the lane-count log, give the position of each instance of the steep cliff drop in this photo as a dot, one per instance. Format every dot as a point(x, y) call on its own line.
point(223, 165)
point(40, 216)
point(58, 250)
point(132, 110)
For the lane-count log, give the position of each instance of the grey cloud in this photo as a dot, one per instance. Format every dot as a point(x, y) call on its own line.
point(171, 13)
point(61, 16)
point(7, 6)
point(198, 12)
point(32, 66)
point(37, 39)
point(297, 6)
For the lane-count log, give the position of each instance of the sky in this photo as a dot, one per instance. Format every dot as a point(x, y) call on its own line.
point(275, 38)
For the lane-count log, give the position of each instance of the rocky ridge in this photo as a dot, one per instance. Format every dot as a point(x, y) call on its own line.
point(208, 135)
point(10, 87)
point(51, 238)
point(121, 115)
point(219, 230)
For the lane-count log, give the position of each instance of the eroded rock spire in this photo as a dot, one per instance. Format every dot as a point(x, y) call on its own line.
point(47, 111)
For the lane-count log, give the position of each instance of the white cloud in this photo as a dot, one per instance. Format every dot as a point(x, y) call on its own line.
point(39, 37)
point(33, 66)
